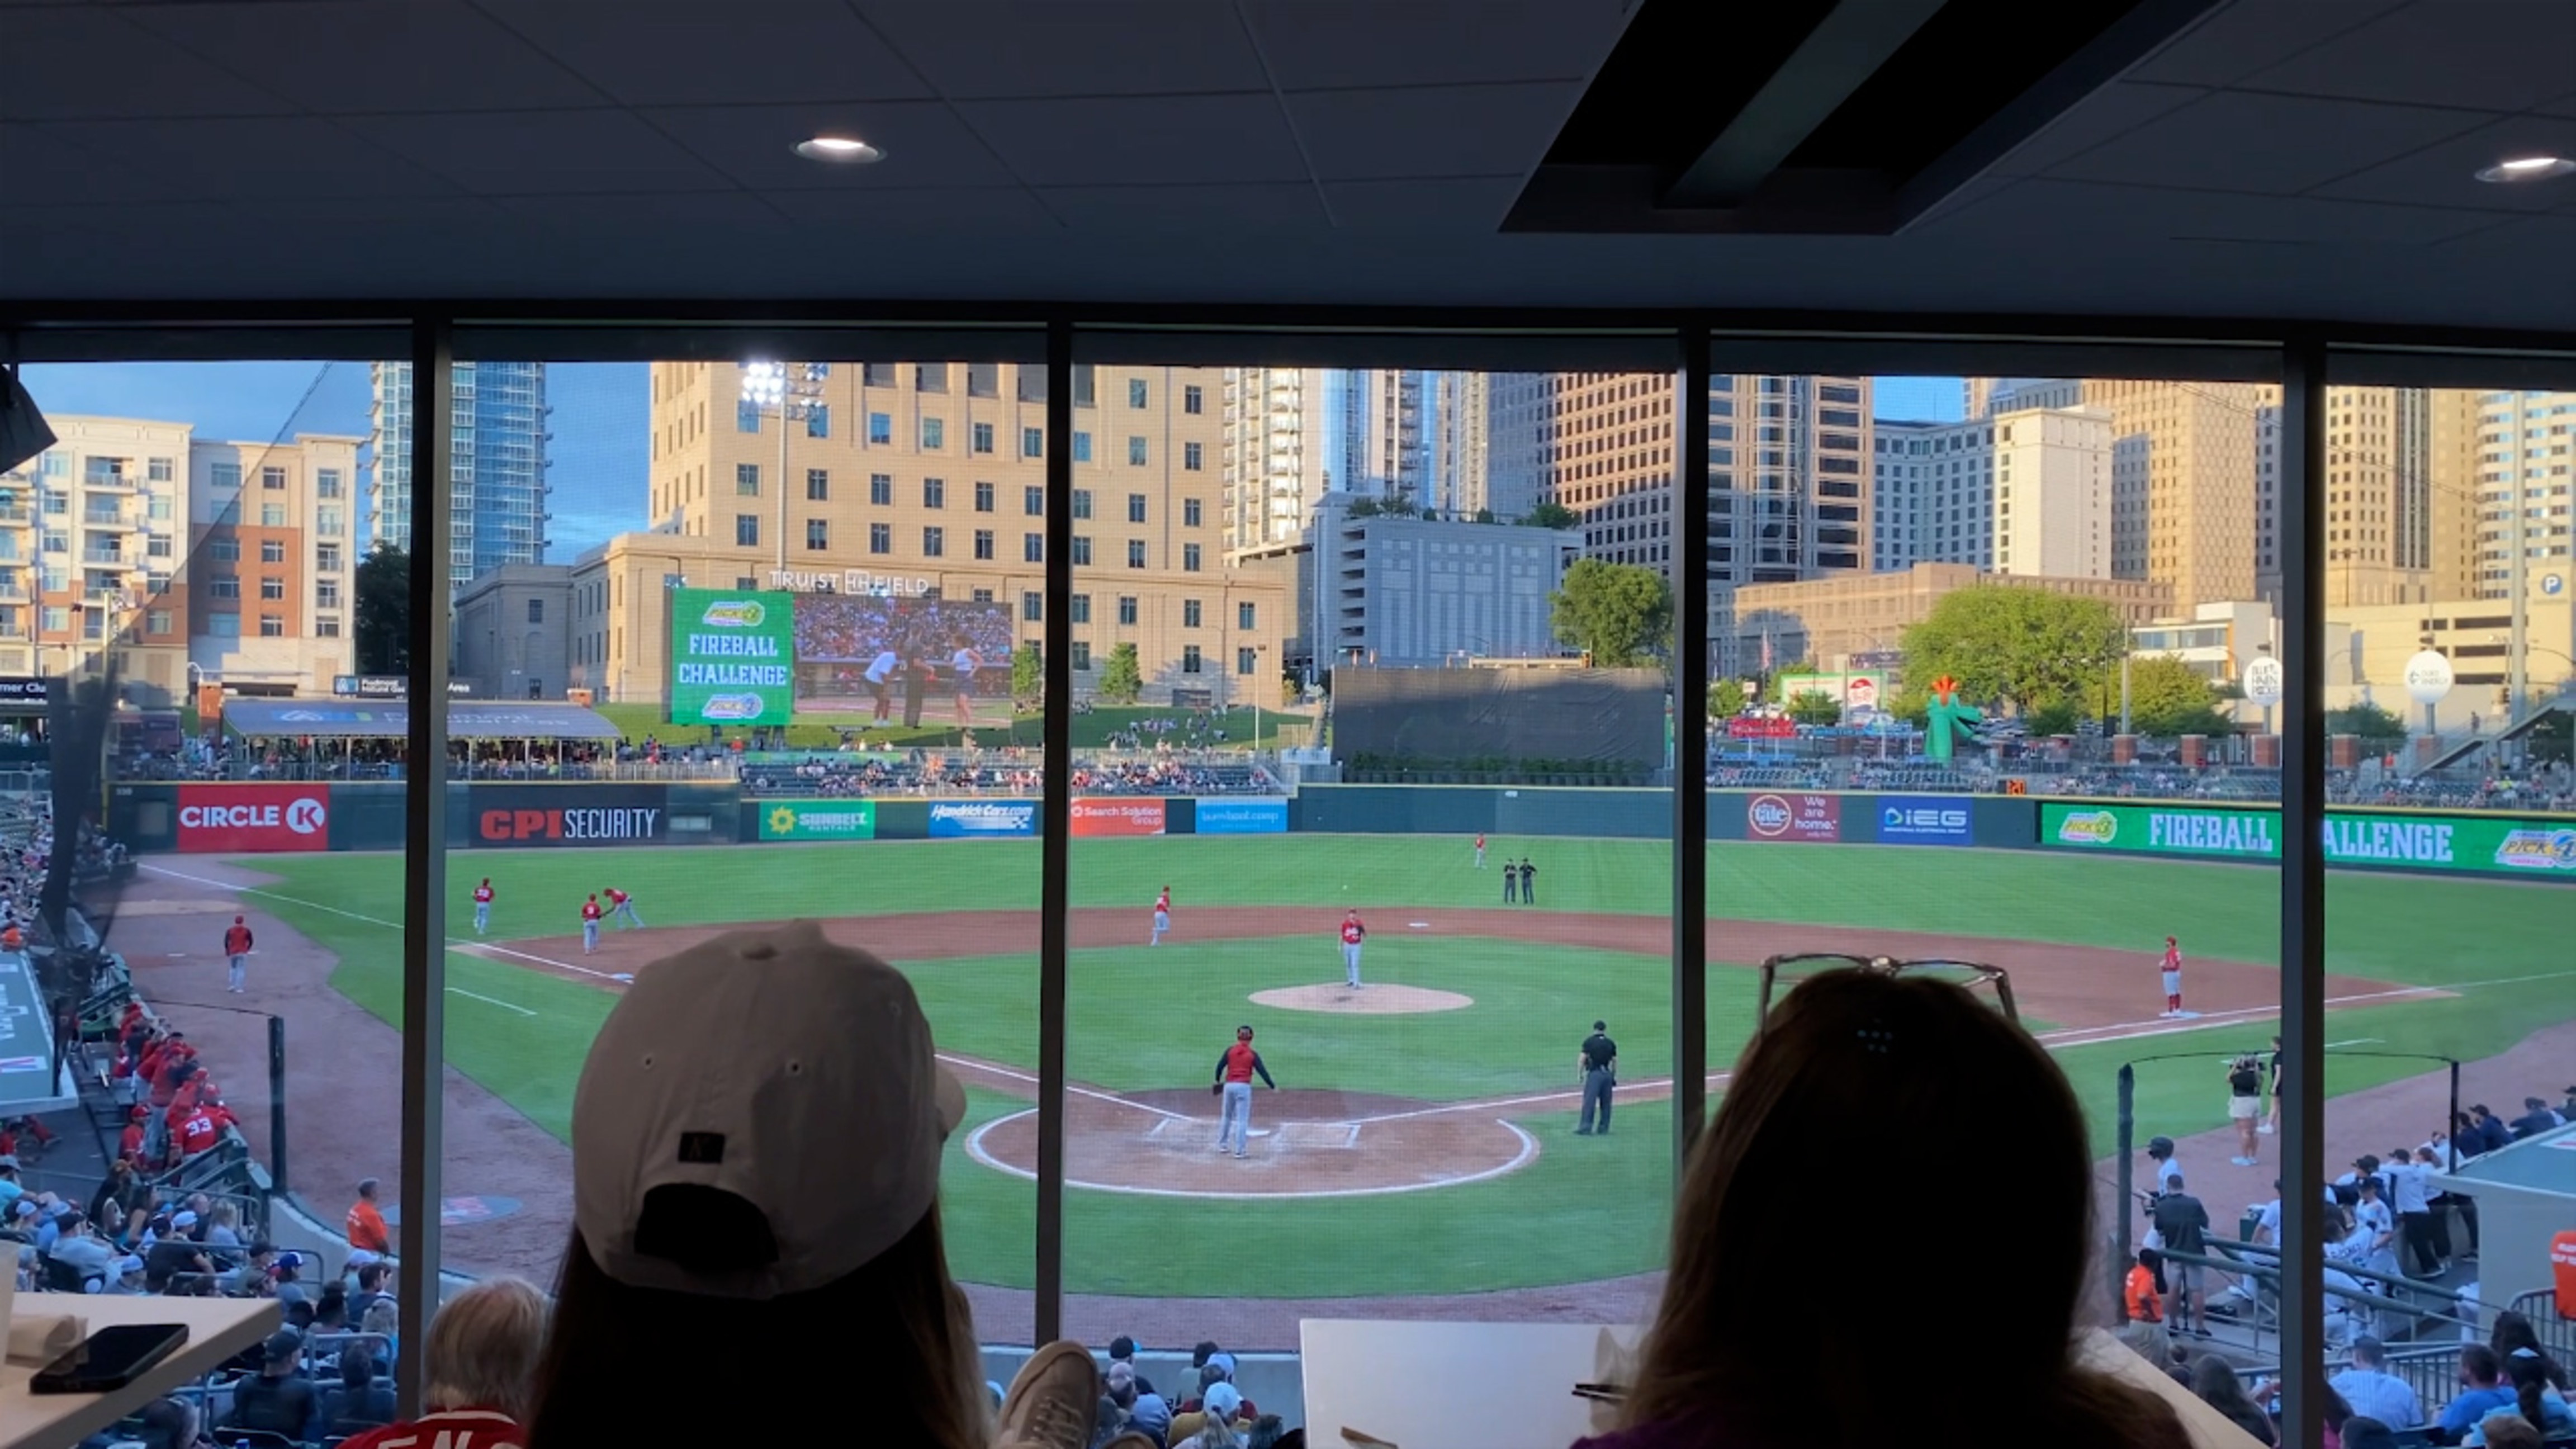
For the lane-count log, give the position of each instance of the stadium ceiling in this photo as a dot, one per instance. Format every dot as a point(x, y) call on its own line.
point(342, 719)
point(2279, 159)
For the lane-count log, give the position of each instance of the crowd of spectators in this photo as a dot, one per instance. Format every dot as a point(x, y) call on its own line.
point(1013, 771)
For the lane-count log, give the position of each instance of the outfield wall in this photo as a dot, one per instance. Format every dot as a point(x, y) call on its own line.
point(236, 818)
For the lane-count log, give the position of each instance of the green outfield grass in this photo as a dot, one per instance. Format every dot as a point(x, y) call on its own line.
point(1583, 1210)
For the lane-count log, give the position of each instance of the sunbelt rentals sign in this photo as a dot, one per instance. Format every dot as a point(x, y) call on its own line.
point(733, 657)
point(820, 820)
point(2417, 842)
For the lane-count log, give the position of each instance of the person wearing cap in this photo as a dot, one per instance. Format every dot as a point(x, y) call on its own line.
point(237, 944)
point(2170, 968)
point(279, 1398)
point(1218, 1427)
point(1235, 1067)
point(756, 1138)
point(1596, 1067)
point(2160, 1151)
point(590, 915)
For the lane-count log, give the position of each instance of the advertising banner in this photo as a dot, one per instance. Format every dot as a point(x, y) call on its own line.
point(1118, 817)
point(1923, 820)
point(1761, 727)
point(576, 815)
point(244, 818)
point(820, 820)
point(1243, 817)
point(2421, 842)
point(732, 657)
point(972, 819)
point(1793, 817)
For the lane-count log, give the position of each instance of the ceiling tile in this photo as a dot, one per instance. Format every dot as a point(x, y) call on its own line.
point(2445, 174)
point(2498, 55)
point(1445, 131)
point(1451, 204)
point(648, 216)
point(2247, 35)
point(258, 158)
point(2108, 113)
point(97, 65)
point(1327, 44)
point(919, 209)
point(2563, 106)
point(1072, 47)
point(1140, 141)
point(2274, 144)
point(2042, 212)
point(924, 142)
point(374, 55)
point(39, 168)
point(502, 153)
point(695, 53)
point(1153, 209)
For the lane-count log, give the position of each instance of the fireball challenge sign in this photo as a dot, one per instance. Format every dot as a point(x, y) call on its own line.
point(2417, 842)
point(732, 657)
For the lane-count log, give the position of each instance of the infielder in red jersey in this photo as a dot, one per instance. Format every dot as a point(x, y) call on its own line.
point(1162, 916)
point(622, 906)
point(2171, 967)
point(1353, 933)
point(590, 914)
point(483, 906)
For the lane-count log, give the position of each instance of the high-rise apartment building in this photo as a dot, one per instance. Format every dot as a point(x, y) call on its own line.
point(1789, 462)
point(1291, 435)
point(496, 471)
point(1461, 426)
point(272, 563)
point(2526, 449)
point(2386, 503)
point(2019, 492)
point(929, 480)
point(92, 536)
point(1517, 435)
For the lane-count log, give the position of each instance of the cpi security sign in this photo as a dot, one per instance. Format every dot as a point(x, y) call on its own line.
point(733, 657)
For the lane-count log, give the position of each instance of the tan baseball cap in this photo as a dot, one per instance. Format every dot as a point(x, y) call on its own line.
point(760, 1114)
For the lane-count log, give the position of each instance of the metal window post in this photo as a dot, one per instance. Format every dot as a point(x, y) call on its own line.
point(424, 932)
point(1055, 857)
point(2303, 889)
point(1690, 748)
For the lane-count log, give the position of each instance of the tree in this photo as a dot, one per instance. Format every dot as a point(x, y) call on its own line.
point(2057, 717)
point(383, 630)
point(1364, 508)
point(1551, 515)
point(1120, 679)
point(1725, 698)
point(1486, 515)
point(2167, 697)
point(2022, 647)
point(1028, 679)
point(1620, 614)
point(2366, 720)
point(1814, 707)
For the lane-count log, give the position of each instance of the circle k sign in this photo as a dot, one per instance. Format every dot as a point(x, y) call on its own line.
point(253, 818)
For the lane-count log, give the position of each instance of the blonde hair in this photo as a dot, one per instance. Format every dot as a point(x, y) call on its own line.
point(382, 1316)
point(483, 1347)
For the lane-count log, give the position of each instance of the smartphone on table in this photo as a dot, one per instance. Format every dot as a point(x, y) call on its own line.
point(110, 1359)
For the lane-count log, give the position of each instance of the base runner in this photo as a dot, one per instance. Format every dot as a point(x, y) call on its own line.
point(1353, 933)
point(1162, 916)
point(2171, 967)
point(590, 926)
point(1235, 1067)
point(483, 906)
point(621, 906)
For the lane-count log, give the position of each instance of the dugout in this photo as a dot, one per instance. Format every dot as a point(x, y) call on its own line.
point(2526, 1196)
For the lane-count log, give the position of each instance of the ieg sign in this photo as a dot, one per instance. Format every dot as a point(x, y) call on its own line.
point(2418, 842)
point(244, 818)
point(1923, 820)
point(990, 819)
point(577, 815)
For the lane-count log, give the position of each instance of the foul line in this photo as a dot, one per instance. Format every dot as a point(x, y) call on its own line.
point(489, 1000)
point(1528, 1149)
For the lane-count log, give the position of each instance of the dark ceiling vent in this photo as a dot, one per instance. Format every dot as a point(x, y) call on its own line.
point(1822, 116)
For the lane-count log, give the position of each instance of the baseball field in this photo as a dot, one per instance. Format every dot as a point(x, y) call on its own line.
point(1422, 1144)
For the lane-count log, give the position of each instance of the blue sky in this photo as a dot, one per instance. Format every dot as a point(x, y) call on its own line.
point(601, 423)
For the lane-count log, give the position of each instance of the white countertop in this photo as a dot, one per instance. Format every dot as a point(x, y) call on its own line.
point(218, 1328)
point(1431, 1385)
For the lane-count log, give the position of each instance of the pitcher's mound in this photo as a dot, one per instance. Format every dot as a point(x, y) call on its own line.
point(1363, 1001)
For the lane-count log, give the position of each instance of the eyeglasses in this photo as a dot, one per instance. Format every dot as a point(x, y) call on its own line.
point(1797, 966)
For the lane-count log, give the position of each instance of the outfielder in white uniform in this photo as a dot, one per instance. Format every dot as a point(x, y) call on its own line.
point(1353, 933)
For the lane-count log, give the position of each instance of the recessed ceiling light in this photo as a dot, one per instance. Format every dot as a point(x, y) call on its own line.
point(2528, 168)
point(839, 150)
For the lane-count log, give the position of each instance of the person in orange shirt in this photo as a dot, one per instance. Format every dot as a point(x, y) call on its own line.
point(13, 941)
point(2145, 1304)
point(366, 1225)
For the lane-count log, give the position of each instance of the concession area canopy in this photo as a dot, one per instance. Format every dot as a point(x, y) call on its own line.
point(346, 719)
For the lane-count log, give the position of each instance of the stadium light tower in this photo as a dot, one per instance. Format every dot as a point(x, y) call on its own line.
point(794, 392)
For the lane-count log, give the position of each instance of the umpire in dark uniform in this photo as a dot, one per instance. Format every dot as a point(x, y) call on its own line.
point(1599, 1068)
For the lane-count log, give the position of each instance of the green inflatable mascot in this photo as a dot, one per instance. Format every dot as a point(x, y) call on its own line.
point(1945, 716)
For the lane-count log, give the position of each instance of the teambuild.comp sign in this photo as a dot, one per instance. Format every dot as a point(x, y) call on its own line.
point(733, 657)
point(2415, 842)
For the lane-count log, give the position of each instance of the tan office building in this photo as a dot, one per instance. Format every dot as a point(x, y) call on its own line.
point(929, 479)
point(1825, 621)
point(272, 563)
point(2401, 498)
point(91, 539)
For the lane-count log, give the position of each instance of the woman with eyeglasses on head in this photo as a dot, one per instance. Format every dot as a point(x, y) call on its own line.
point(1753, 1343)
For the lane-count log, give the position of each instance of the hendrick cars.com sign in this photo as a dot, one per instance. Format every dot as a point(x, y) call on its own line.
point(239, 819)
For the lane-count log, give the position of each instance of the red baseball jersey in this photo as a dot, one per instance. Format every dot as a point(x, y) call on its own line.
point(483, 895)
point(616, 897)
point(197, 1133)
point(2173, 959)
point(590, 910)
point(1163, 902)
point(237, 940)
point(1352, 931)
point(1480, 842)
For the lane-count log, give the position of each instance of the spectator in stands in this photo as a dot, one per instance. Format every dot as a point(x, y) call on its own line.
point(2138, 1290)
point(1108, 1421)
point(279, 1398)
point(746, 1176)
point(1122, 1349)
point(223, 1229)
point(383, 1318)
point(2535, 1401)
point(166, 1424)
point(2513, 1334)
point(81, 1251)
point(1266, 1432)
point(2364, 1432)
point(2373, 1391)
point(2481, 1392)
point(366, 1225)
point(170, 1257)
point(2506, 1431)
point(2215, 1381)
point(285, 1280)
point(1148, 1413)
point(1217, 1428)
point(361, 1401)
point(2492, 1131)
point(482, 1357)
point(331, 1309)
point(2182, 1225)
point(1747, 1333)
point(369, 1271)
point(2536, 1118)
